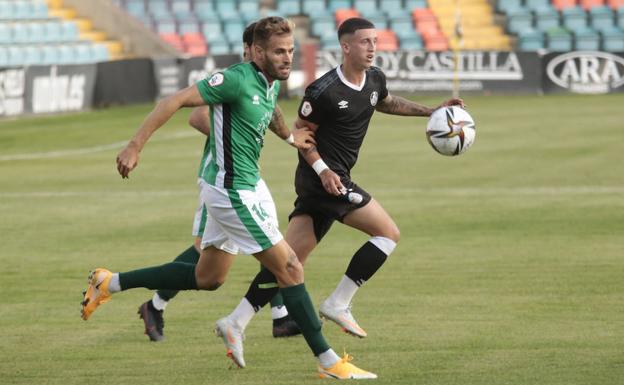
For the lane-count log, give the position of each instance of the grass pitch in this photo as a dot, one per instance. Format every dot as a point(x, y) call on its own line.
point(509, 270)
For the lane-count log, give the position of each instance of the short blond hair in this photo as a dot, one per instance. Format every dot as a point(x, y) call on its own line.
point(269, 26)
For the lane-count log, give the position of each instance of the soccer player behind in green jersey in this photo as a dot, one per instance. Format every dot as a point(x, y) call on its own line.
point(152, 311)
point(242, 100)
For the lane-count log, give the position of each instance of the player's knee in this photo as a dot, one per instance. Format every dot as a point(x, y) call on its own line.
point(210, 284)
point(391, 232)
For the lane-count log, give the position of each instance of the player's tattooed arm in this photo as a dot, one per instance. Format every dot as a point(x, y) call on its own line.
point(278, 125)
point(396, 105)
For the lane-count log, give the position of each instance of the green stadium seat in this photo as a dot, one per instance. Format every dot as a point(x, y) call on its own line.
point(601, 17)
point(204, 10)
point(612, 39)
point(330, 42)
point(619, 17)
point(531, 40)
point(410, 5)
point(212, 31)
point(189, 25)
point(559, 40)
point(181, 9)
point(586, 39)
point(546, 18)
point(535, 5)
point(519, 21)
point(313, 7)
point(159, 9)
point(333, 5)
point(249, 6)
point(381, 22)
point(136, 8)
point(403, 26)
point(366, 7)
point(411, 42)
point(219, 48)
point(574, 18)
point(289, 7)
point(323, 26)
point(508, 6)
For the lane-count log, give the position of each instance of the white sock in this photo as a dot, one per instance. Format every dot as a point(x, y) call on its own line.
point(344, 292)
point(278, 312)
point(113, 285)
point(242, 314)
point(158, 302)
point(328, 358)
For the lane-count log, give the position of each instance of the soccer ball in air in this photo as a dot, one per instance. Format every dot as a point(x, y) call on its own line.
point(450, 130)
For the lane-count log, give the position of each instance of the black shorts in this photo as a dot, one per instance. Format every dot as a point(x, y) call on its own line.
point(325, 208)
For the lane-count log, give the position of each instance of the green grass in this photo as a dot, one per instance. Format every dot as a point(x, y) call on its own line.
point(509, 269)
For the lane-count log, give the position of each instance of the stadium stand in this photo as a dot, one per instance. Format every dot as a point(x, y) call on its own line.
point(563, 25)
point(40, 32)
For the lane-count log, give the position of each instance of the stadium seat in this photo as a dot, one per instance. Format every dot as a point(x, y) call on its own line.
point(563, 4)
point(559, 40)
point(403, 26)
point(212, 31)
point(615, 4)
point(36, 32)
point(387, 40)
point(313, 8)
point(343, 14)
point(219, 48)
point(99, 52)
point(49, 54)
point(181, 9)
point(334, 5)
point(574, 18)
point(204, 10)
point(437, 43)
point(330, 42)
point(168, 26)
point(289, 7)
point(16, 56)
point(601, 17)
point(159, 9)
point(613, 39)
point(69, 31)
point(507, 6)
point(21, 9)
point(366, 7)
point(82, 53)
point(4, 57)
point(519, 21)
point(546, 18)
point(248, 6)
point(5, 34)
point(173, 39)
point(136, 8)
point(589, 4)
point(410, 5)
point(619, 17)
point(530, 40)
point(39, 10)
point(53, 31)
point(188, 25)
point(586, 39)
point(535, 5)
point(411, 42)
point(6, 13)
point(66, 54)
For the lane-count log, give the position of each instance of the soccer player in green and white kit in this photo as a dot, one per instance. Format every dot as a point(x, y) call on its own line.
point(241, 209)
point(151, 312)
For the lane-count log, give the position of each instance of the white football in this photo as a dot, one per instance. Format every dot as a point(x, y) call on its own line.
point(451, 130)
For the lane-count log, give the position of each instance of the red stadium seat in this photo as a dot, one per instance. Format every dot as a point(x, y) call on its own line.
point(589, 4)
point(344, 14)
point(615, 4)
point(387, 40)
point(173, 39)
point(439, 43)
point(562, 4)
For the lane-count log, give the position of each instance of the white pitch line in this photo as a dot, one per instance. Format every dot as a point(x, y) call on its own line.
point(89, 150)
point(522, 191)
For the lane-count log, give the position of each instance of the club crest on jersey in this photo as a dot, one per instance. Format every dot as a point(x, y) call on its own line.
point(306, 108)
point(343, 104)
point(373, 98)
point(255, 99)
point(216, 79)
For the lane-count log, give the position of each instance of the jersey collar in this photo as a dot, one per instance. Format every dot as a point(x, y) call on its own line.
point(266, 81)
point(348, 83)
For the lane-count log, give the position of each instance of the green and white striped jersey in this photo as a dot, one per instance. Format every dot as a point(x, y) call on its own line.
point(241, 106)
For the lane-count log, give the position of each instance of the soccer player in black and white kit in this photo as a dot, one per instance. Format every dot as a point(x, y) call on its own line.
point(338, 107)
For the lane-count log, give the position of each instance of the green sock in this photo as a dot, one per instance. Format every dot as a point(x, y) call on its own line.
point(300, 308)
point(189, 255)
point(277, 300)
point(171, 276)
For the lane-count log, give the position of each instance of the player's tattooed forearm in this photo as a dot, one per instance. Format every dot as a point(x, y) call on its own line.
point(397, 105)
point(277, 122)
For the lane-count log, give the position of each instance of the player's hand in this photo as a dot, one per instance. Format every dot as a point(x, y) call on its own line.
point(127, 160)
point(331, 182)
point(453, 102)
point(304, 138)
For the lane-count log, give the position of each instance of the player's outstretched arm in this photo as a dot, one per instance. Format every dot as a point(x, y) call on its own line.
point(128, 158)
point(330, 180)
point(300, 138)
point(200, 119)
point(396, 105)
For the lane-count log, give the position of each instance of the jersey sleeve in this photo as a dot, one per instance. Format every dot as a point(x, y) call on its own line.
point(221, 87)
point(311, 108)
point(383, 90)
